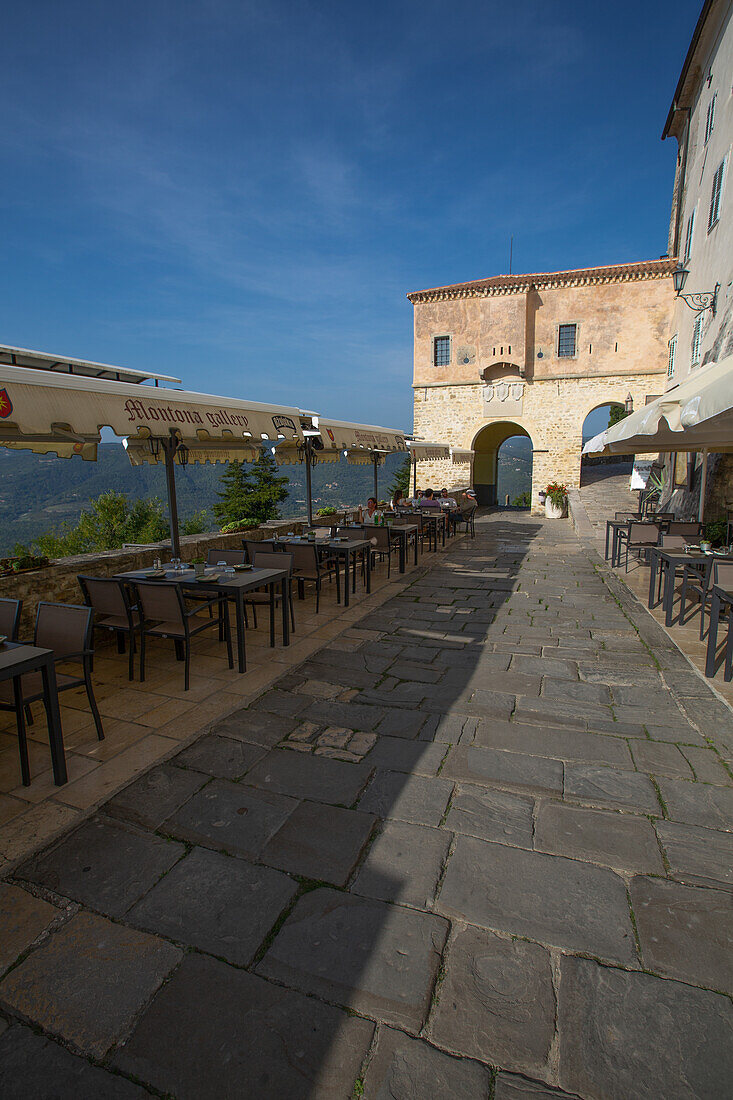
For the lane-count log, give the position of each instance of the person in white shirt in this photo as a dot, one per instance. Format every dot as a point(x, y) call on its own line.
point(446, 501)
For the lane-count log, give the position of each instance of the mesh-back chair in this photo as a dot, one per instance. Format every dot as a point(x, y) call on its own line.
point(10, 618)
point(271, 559)
point(307, 566)
point(627, 515)
point(698, 586)
point(110, 600)
point(639, 537)
point(253, 546)
point(67, 630)
point(467, 516)
point(164, 615)
point(672, 542)
point(690, 530)
point(383, 546)
point(229, 557)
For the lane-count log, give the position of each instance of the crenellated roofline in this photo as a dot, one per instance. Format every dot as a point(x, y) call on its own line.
point(521, 284)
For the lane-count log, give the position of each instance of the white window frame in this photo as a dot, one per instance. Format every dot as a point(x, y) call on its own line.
point(710, 119)
point(696, 346)
point(716, 195)
point(442, 336)
point(689, 235)
point(672, 356)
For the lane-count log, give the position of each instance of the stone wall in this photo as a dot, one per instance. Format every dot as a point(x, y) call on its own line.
point(58, 583)
point(553, 412)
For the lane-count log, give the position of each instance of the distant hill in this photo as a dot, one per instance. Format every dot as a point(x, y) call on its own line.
point(38, 493)
point(514, 468)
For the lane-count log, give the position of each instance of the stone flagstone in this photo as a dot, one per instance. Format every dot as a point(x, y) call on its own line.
point(405, 1067)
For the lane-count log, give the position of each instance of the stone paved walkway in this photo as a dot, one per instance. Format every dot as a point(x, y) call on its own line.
point(482, 849)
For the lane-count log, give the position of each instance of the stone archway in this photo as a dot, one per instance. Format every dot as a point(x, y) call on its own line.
point(595, 421)
point(486, 444)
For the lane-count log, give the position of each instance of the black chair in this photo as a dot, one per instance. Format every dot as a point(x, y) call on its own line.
point(67, 630)
point(383, 547)
point(229, 557)
point(639, 537)
point(698, 586)
point(10, 618)
point(307, 566)
point(110, 600)
point(164, 614)
point(272, 559)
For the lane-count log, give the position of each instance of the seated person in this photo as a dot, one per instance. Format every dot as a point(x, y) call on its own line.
point(398, 499)
point(467, 502)
point(427, 500)
point(446, 501)
point(371, 507)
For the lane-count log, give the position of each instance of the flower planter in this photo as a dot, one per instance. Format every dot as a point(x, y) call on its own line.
point(555, 511)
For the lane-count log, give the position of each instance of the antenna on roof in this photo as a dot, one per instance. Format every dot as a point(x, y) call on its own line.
point(511, 249)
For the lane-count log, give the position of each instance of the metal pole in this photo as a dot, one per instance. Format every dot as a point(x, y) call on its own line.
point(375, 460)
point(703, 485)
point(414, 474)
point(169, 449)
point(308, 485)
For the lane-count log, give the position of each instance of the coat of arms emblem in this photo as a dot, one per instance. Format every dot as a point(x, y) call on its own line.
point(6, 405)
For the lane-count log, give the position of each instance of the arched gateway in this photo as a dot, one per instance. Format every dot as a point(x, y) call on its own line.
point(534, 354)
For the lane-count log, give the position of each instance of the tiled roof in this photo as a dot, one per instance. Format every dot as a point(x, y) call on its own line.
point(582, 276)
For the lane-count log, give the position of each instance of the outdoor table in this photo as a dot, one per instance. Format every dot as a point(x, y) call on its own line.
point(17, 659)
point(400, 533)
point(668, 562)
point(720, 598)
point(618, 526)
point(349, 550)
point(234, 587)
point(433, 520)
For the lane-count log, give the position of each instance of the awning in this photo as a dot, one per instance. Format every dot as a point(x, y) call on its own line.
point(65, 364)
point(140, 454)
point(39, 406)
point(346, 436)
point(291, 453)
point(365, 458)
point(694, 416)
point(424, 451)
point(459, 456)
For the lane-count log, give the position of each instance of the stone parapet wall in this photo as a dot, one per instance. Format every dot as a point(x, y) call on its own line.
point(58, 583)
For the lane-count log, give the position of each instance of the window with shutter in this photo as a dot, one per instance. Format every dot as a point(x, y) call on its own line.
point(710, 120)
point(688, 236)
point(672, 354)
point(696, 342)
point(715, 196)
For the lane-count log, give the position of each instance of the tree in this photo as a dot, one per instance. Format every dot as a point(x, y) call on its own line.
point(401, 479)
point(234, 500)
point(268, 489)
point(111, 521)
point(616, 413)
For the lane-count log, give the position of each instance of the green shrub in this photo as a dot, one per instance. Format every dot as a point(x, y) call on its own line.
point(716, 532)
point(245, 524)
point(329, 511)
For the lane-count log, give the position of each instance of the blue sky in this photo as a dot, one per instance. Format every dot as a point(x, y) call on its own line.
point(241, 193)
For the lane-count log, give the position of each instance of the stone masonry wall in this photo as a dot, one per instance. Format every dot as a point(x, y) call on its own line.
point(553, 413)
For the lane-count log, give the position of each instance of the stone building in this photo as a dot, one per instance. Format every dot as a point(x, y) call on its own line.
point(701, 233)
point(533, 355)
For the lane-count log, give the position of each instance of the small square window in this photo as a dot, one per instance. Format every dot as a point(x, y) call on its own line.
point(441, 351)
point(696, 342)
point(566, 341)
point(672, 356)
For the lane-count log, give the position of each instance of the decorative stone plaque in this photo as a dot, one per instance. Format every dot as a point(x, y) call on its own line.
point(503, 399)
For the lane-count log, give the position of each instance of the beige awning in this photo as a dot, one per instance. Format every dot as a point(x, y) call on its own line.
point(365, 458)
point(459, 456)
point(425, 451)
point(346, 436)
point(43, 407)
point(694, 416)
point(67, 364)
point(291, 453)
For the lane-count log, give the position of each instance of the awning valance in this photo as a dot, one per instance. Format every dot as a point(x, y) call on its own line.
point(49, 408)
point(425, 451)
point(344, 435)
point(460, 456)
point(365, 458)
point(291, 453)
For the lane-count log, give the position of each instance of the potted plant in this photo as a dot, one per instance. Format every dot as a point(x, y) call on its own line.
point(556, 500)
point(199, 566)
point(329, 511)
point(244, 524)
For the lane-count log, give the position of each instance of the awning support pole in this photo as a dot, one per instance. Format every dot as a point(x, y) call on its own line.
point(170, 446)
point(308, 485)
point(375, 460)
point(414, 474)
point(703, 486)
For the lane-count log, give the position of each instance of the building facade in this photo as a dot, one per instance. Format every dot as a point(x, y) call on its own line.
point(534, 355)
point(700, 119)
